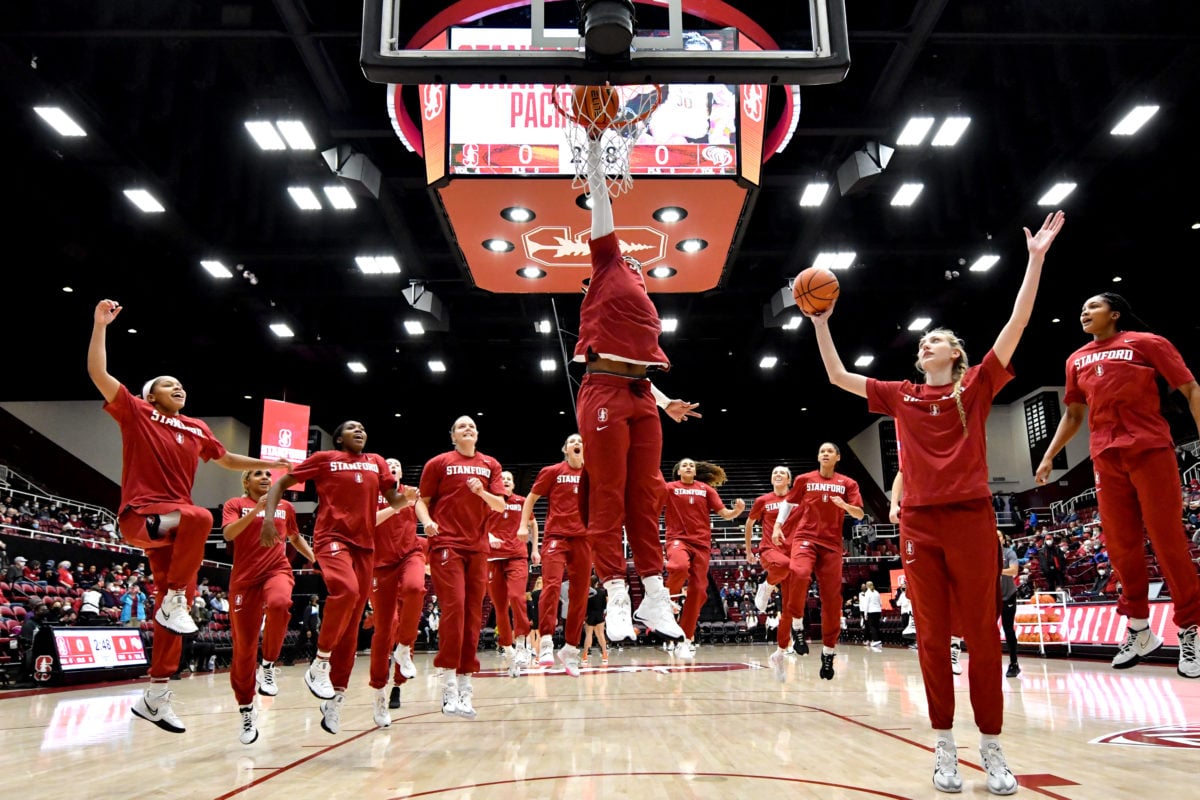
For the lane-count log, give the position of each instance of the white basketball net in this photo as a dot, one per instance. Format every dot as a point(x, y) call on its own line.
point(617, 137)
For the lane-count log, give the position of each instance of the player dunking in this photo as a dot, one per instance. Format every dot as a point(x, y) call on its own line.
point(565, 548)
point(349, 482)
point(618, 420)
point(508, 575)
point(397, 591)
point(947, 524)
point(160, 450)
point(689, 502)
point(819, 500)
point(261, 586)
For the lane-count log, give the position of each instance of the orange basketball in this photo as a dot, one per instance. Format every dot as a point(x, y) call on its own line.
point(815, 289)
point(596, 106)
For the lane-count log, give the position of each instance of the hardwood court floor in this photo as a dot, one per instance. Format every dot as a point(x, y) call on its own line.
point(647, 726)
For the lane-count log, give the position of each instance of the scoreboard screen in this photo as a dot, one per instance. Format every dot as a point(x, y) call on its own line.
point(515, 129)
point(97, 648)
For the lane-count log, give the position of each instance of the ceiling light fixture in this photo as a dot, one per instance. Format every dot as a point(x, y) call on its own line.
point(907, 194)
point(282, 330)
point(541, 326)
point(793, 322)
point(768, 362)
point(265, 135)
point(437, 366)
point(670, 214)
point(835, 260)
point(919, 323)
point(59, 120)
point(915, 131)
point(692, 245)
point(984, 263)
point(814, 194)
point(216, 269)
point(548, 365)
point(498, 245)
point(146, 202)
point(532, 273)
point(663, 272)
point(296, 134)
point(340, 198)
point(517, 214)
point(863, 361)
point(670, 324)
point(304, 198)
point(378, 265)
point(951, 131)
point(1058, 192)
point(1132, 122)
point(357, 367)
point(414, 327)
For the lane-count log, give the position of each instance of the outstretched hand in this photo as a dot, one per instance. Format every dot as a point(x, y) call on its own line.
point(821, 318)
point(680, 410)
point(106, 312)
point(1038, 243)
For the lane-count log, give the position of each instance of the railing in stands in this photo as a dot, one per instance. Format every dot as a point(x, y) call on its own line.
point(1060, 509)
point(100, 543)
point(9, 477)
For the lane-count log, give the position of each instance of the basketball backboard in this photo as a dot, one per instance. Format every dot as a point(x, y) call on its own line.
point(396, 49)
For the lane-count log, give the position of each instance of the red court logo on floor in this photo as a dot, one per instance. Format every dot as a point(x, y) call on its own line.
point(1187, 736)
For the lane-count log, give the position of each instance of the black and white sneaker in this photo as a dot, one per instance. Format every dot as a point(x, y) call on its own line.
point(249, 734)
point(155, 707)
point(1138, 644)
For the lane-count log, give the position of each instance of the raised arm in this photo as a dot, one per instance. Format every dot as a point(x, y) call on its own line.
point(839, 376)
point(1038, 244)
point(1068, 426)
point(240, 463)
point(602, 215)
point(97, 358)
point(269, 535)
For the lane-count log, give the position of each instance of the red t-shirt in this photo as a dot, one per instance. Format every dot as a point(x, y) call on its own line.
point(396, 536)
point(347, 488)
point(503, 525)
point(618, 319)
point(1115, 378)
point(941, 465)
point(766, 507)
point(559, 484)
point(460, 514)
point(159, 453)
point(688, 509)
point(816, 517)
point(252, 562)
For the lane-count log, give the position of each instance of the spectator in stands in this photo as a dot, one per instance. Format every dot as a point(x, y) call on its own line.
point(65, 576)
point(16, 570)
point(1101, 586)
point(947, 525)
point(1053, 563)
point(348, 482)
point(160, 451)
point(133, 607)
point(1114, 381)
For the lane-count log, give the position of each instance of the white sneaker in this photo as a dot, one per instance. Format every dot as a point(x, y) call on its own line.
point(955, 664)
point(466, 708)
point(1138, 644)
point(514, 667)
point(945, 767)
point(175, 614)
point(778, 663)
point(265, 678)
point(249, 734)
point(546, 655)
point(379, 708)
point(450, 699)
point(521, 658)
point(569, 656)
point(762, 597)
point(156, 708)
point(331, 713)
point(617, 616)
point(655, 613)
point(402, 656)
point(685, 649)
point(1000, 779)
point(1189, 659)
point(316, 677)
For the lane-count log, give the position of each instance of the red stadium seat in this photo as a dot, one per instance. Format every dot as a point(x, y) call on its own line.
point(6, 612)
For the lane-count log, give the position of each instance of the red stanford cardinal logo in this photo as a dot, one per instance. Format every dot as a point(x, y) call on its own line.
point(602, 415)
point(1186, 736)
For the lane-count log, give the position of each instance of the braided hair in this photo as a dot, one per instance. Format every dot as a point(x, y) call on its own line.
point(957, 371)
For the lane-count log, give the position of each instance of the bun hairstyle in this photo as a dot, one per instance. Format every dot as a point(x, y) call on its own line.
point(706, 472)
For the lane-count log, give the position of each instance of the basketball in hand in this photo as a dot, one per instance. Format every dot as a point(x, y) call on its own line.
point(815, 289)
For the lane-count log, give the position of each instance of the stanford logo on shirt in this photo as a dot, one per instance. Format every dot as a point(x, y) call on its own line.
point(179, 438)
point(908, 548)
point(602, 415)
point(1099, 369)
point(333, 547)
point(934, 410)
point(358, 477)
point(237, 600)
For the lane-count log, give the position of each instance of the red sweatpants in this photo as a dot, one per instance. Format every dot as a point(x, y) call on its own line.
point(949, 554)
point(183, 545)
point(397, 593)
point(347, 573)
point(778, 568)
point(623, 483)
point(809, 557)
point(271, 596)
point(507, 579)
point(688, 561)
point(1136, 488)
point(164, 655)
point(459, 578)
point(573, 555)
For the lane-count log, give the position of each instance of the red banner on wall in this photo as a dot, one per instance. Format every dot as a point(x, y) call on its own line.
point(285, 433)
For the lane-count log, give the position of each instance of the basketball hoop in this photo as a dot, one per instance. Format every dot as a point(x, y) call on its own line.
point(616, 131)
